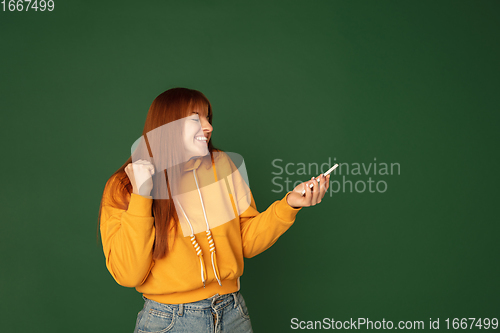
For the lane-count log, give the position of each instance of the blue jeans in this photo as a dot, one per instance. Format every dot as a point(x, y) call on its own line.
point(219, 313)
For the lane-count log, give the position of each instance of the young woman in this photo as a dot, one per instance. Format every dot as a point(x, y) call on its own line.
point(177, 219)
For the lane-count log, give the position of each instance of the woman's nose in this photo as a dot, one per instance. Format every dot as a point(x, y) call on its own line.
point(206, 126)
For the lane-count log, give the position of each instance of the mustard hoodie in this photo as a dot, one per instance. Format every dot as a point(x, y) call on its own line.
point(219, 225)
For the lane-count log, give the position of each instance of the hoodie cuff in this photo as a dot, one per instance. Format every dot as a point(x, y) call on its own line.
point(140, 205)
point(285, 211)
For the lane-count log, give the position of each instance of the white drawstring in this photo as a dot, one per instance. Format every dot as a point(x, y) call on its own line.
point(209, 234)
point(201, 199)
point(213, 257)
point(196, 246)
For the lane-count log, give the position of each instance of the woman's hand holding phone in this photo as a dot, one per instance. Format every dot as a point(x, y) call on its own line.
point(140, 174)
point(313, 194)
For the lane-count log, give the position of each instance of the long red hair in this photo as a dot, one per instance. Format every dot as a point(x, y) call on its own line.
point(171, 105)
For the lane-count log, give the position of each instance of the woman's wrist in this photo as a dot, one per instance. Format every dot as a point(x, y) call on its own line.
point(287, 196)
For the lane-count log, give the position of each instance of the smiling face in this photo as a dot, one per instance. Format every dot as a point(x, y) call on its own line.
point(197, 133)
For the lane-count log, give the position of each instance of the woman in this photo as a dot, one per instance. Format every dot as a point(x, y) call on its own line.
point(177, 219)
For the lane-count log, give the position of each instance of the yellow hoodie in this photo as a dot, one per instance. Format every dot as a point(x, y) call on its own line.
point(219, 225)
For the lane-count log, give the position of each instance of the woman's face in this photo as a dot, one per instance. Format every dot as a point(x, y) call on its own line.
point(197, 132)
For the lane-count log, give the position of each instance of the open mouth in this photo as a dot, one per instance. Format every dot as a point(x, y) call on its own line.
point(201, 138)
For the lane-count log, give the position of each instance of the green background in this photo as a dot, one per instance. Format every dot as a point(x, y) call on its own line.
point(408, 82)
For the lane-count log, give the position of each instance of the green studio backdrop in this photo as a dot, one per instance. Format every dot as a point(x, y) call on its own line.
point(411, 84)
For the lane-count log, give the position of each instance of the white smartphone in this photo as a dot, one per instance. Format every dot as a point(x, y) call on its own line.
point(325, 174)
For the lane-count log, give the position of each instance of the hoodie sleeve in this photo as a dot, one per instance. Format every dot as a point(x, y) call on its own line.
point(258, 230)
point(127, 239)
point(261, 230)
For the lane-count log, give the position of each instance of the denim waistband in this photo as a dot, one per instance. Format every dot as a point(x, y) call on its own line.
point(215, 302)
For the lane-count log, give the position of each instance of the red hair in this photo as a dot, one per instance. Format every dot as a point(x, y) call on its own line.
point(171, 105)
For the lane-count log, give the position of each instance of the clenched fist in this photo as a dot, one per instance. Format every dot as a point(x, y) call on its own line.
point(140, 174)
